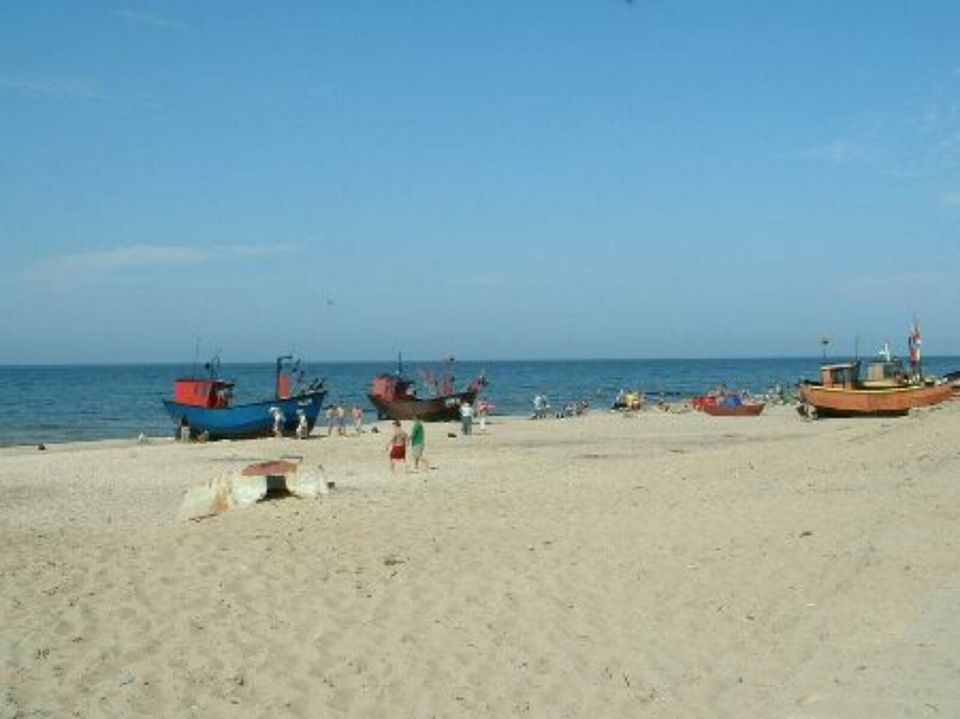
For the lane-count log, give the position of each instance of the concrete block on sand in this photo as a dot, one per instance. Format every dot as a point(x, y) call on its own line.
point(246, 491)
point(308, 485)
point(207, 500)
point(233, 490)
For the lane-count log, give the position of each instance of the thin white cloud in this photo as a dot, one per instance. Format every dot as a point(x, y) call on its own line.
point(134, 257)
point(54, 86)
point(951, 197)
point(902, 287)
point(153, 20)
point(478, 281)
point(841, 150)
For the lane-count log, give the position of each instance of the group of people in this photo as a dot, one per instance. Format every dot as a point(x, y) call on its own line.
point(397, 447)
point(541, 408)
point(630, 401)
point(337, 419)
point(416, 439)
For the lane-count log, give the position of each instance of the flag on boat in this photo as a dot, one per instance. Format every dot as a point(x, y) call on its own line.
point(913, 342)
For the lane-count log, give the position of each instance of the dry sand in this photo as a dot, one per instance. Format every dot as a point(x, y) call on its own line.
point(659, 566)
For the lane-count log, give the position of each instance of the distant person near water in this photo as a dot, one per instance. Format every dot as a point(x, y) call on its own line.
point(303, 427)
point(466, 418)
point(417, 442)
point(278, 420)
point(357, 413)
point(539, 406)
point(483, 408)
point(331, 419)
point(341, 419)
point(397, 448)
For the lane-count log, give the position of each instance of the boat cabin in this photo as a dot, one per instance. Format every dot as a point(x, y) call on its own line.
point(211, 393)
point(843, 375)
point(392, 386)
point(886, 373)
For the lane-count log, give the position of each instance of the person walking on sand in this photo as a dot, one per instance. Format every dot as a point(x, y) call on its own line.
point(341, 420)
point(397, 449)
point(417, 441)
point(466, 418)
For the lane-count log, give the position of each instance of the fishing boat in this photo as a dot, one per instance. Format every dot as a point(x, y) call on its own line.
point(841, 393)
point(395, 395)
point(723, 408)
point(887, 371)
point(204, 406)
point(718, 404)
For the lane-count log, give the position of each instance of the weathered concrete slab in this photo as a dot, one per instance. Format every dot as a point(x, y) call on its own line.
point(253, 484)
point(275, 467)
point(247, 490)
point(309, 484)
point(207, 500)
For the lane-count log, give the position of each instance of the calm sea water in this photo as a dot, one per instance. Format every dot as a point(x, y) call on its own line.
point(70, 403)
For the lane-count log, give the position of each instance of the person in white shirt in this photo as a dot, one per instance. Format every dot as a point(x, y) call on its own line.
point(466, 417)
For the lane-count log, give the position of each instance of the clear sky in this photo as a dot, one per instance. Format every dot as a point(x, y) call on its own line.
point(495, 179)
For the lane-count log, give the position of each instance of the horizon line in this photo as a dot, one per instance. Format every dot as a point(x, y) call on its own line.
point(135, 363)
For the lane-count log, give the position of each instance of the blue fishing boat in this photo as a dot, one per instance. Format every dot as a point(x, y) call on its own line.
point(204, 407)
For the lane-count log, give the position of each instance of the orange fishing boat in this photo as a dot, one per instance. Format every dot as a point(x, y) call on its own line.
point(841, 393)
point(741, 409)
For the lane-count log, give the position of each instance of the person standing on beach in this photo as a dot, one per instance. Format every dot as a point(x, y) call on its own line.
point(417, 441)
point(482, 408)
point(341, 420)
point(331, 418)
point(278, 421)
point(357, 413)
point(397, 449)
point(466, 417)
point(303, 428)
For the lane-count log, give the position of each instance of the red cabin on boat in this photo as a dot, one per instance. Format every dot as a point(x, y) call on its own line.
point(212, 393)
point(392, 386)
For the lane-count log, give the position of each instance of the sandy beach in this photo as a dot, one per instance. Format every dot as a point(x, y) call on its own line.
point(665, 565)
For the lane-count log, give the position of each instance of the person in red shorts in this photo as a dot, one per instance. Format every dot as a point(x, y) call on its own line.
point(397, 448)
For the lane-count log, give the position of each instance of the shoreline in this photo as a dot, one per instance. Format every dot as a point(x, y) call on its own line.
point(318, 431)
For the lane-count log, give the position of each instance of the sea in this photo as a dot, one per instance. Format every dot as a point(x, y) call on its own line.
point(67, 403)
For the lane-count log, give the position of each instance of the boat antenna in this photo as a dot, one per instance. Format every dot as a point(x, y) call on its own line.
point(399, 364)
point(196, 355)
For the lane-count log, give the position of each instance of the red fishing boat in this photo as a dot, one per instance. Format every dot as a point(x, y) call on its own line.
point(395, 396)
point(727, 405)
point(739, 409)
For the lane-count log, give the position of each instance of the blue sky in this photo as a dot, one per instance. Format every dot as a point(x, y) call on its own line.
point(489, 179)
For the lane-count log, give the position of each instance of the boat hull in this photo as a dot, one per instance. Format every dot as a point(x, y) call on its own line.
point(845, 402)
point(751, 409)
point(246, 421)
point(433, 409)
